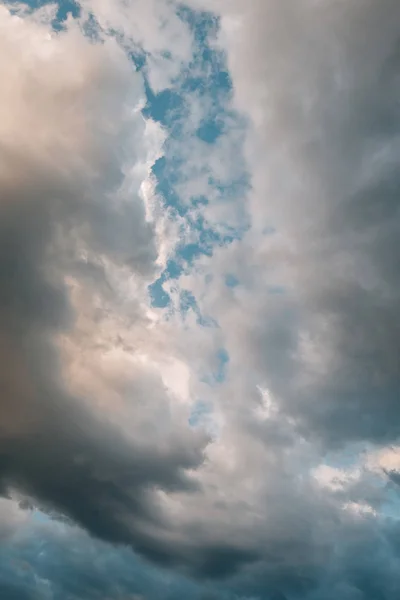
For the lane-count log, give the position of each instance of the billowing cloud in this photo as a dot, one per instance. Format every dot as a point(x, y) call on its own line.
point(74, 231)
point(319, 84)
point(246, 433)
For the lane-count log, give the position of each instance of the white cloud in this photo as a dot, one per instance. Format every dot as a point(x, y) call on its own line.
point(334, 478)
point(384, 459)
point(149, 25)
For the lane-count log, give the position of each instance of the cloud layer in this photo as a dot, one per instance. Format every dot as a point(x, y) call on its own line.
point(243, 435)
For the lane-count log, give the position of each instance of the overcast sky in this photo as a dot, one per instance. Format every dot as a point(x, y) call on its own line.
point(199, 300)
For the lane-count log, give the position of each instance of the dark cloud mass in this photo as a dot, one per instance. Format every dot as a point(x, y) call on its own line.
point(98, 441)
point(53, 446)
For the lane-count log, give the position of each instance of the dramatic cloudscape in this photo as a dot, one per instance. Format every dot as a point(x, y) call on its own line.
point(199, 300)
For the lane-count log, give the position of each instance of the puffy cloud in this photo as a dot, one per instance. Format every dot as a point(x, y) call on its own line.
point(152, 27)
point(99, 388)
point(311, 318)
point(81, 409)
point(318, 82)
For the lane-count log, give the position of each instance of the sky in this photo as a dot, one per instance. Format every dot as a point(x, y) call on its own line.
point(199, 292)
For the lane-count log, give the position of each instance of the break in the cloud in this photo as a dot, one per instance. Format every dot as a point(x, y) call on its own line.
point(198, 306)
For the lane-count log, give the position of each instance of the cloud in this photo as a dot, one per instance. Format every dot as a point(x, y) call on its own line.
point(152, 27)
point(75, 237)
point(99, 387)
point(53, 560)
point(11, 517)
point(321, 95)
point(311, 319)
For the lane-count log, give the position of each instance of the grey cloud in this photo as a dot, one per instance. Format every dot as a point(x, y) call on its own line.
point(71, 565)
point(319, 82)
point(15, 591)
point(322, 93)
point(326, 348)
point(65, 196)
point(62, 195)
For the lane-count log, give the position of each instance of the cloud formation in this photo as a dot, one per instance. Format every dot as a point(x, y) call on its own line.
point(321, 94)
point(73, 224)
point(246, 434)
